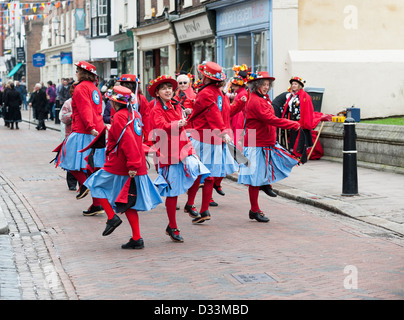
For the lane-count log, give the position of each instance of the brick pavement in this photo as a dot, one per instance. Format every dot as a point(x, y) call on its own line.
point(304, 251)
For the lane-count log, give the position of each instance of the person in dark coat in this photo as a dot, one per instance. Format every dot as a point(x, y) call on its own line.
point(39, 102)
point(13, 101)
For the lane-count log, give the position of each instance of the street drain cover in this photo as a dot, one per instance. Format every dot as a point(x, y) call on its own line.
point(253, 278)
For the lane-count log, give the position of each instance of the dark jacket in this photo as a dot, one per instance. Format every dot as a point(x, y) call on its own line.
point(39, 101)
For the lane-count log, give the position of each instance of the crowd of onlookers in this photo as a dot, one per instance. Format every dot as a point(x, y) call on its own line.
point(44, 100)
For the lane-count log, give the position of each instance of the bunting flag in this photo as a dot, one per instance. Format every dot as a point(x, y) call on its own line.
point(28, 11)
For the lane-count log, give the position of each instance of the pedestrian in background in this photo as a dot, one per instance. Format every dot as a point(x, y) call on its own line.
point(51, 96)
point(269, 162)
point(13, 102)
point(39, 102)
point(24, 92)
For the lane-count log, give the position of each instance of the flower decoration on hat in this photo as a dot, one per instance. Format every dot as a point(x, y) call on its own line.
point(260, 75)
point(87, 67)
point(121, 95)
point(241, 76)
point(151, 88)
point(299, 80)
point(212, 71)
point(128, 78)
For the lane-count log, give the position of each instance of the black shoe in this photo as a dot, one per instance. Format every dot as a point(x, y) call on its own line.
point(204, 216)
point(93, 210)
point(175, 237)
point(192, 212)
point(259, 216)
point(133, 244)
point(268, 190)
point(212, 203)
point(112, 224)
point(83, 191)
point(218, 189)
point(72, 188)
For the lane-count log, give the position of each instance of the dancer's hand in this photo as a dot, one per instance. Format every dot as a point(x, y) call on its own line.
point(132, 174)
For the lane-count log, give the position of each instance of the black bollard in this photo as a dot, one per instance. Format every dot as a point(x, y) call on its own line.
point(350, 170)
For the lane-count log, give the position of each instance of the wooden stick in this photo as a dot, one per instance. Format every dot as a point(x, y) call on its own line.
point(318, 136)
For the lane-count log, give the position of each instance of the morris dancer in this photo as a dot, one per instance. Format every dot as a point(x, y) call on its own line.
point(125, 169)
point(179, 167)
point(269, 161)
point(87, 122)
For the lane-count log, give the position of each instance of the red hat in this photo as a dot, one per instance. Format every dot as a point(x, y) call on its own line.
point(299, 80)
point(121, 95)
point(128, 78)
point(260, 75)
point(212, 71)
point(151, 88)
point(86, 66)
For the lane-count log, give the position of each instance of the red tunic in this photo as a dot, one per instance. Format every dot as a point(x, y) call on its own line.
point(172, 143)
point(206, 117)
point(129, 155)
point(86, 108)
point(262, 122)
point(237, 120)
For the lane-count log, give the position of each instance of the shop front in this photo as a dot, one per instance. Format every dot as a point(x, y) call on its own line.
point(196, 40)
point(244, 34)
point(156, 50)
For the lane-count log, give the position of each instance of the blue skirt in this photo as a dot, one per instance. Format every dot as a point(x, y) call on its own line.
point(176, 179)
point(268, 165)
point(216, 158)
point(73, 160)
point(105, 185)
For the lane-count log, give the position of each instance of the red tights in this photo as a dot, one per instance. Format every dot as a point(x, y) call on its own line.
point(207, 191)
point(131, 215)
point(253, 192)
point(171, 207)
point(81, 177)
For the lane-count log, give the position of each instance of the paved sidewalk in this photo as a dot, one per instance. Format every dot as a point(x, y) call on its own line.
point(303, 253)
point(380, 201)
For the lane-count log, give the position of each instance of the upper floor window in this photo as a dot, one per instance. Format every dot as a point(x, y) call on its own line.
point(100, 18)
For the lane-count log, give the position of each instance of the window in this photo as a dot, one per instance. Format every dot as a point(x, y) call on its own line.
point(100, 13)
point(249, 48)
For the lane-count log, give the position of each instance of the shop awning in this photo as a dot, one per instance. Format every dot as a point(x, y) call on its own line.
point(15, 69)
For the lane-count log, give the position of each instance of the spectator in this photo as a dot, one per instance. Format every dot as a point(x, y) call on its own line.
point(51, 96)
point(13, 101)
point(23, 86)
point(38, 102)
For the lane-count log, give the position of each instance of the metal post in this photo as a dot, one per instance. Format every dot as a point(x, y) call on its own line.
point(350, 172)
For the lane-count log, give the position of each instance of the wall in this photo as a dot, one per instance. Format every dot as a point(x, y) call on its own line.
point(381, 145)
point(352, 48)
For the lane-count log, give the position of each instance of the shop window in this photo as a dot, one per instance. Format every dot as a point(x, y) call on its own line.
point(203, 51)
point(250, 49)
point(260, 51)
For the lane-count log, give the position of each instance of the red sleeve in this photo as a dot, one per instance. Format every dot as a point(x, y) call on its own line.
point(236, 106)
point(306, 111)
point(262, 111)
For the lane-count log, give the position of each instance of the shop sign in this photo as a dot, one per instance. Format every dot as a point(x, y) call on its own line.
point(192, 29)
